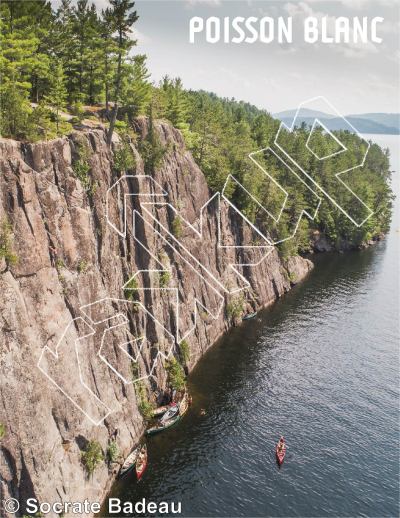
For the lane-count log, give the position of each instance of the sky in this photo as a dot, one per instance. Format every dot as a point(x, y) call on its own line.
point(355, 78)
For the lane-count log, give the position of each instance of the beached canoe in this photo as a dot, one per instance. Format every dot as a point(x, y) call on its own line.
point(158, 412)
point(170, 413)
point(184, 405)
point(159, 427)
point(129, 462)
point(249, 316)
point(174, 415)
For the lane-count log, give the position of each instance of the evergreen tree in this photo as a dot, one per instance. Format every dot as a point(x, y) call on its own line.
point(57, 95)
point(123, 17)
point(137, 90)
point(87, 52)
point(108, 50)
point(64, 45)
point(18, 60)
point(177, 106)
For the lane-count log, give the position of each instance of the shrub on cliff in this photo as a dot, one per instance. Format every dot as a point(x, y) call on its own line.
point(176, 374)
point(177, 227)
point(2, 430)
point(130, 289)
point(164, 279)
point(144, 405)
point(124, 159)
point(92, 456)
point(234, 308)
point(184, 350)
point(150, 148)
point(81, 166)
point(112, 452)
point(6, 243)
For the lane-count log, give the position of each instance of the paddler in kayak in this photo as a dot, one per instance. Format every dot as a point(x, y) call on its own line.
point(281, 444)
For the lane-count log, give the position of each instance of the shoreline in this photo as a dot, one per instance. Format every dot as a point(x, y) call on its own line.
point(310, 257)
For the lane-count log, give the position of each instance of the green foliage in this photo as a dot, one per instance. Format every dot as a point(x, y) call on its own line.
point(60, 264)
point(92, 456)
point(222, 134)
point(124, 159)
point(121, 18)
point(176, 108)
point(130, 289)
point(177, 227)
point(112, 452)
point(6, 243)
point(2, 431)
point(135, 371)
point(40, 125)
point(151, 149)
point(81, 166)
point(75, 55)
point(82, 266)
point(136, 89)
point(164, 278)
point(184, 351)
point(57, 95)
point(144, 405)
point(235, 308)
point(77, 110)
point(176, 374)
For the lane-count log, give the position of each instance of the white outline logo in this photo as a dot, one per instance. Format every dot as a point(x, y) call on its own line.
point(152, 196)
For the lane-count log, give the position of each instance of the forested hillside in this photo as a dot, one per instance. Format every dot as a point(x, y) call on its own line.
point(60, 67)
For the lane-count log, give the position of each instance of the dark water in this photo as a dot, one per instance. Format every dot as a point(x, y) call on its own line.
point(320, 367)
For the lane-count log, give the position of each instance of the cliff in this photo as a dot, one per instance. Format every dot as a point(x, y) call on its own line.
point(69, 256)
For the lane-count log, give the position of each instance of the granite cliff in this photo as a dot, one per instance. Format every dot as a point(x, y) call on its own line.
point(69, 257)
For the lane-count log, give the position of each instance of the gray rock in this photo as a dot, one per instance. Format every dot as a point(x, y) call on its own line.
point(69, 256)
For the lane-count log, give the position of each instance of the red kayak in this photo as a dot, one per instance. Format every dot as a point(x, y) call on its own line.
point(141, 463)
point(280, 453)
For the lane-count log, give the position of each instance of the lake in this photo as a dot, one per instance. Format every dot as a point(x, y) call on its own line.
point(321, 367)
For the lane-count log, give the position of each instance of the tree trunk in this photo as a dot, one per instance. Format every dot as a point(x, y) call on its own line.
point(112, 124)
point(117, 89)
point(106, 84)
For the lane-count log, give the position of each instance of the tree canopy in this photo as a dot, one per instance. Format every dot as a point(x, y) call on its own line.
point(55, 64)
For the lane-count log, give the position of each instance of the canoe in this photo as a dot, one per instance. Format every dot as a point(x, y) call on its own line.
point(179, 411)
point(169, 414)
point(141, 463)
point(280, 455)
point(249, 316)
point(184, 405)
point(163, 426)
point(157, 412)
point(129, 462)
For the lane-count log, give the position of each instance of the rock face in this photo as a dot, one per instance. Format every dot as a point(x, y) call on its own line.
point(69, 256)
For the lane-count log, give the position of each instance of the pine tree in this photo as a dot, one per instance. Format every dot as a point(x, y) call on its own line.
point(137, 90)
point(108, 51)
point(177, 105)
point(64, 44)
point(87, 52)
point(18, 45)
point(57, 95)
point(123, 16)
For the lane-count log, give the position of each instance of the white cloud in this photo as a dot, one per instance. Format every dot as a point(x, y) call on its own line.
point(192, 3)
point(140, 37)
point(301, 10)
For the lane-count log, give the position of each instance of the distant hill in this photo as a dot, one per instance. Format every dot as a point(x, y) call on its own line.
point(383, 123)
point(392, 120)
